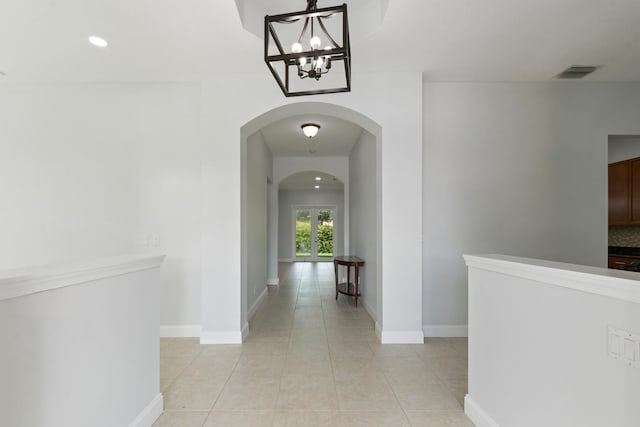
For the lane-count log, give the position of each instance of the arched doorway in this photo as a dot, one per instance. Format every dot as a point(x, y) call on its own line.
point(363, 169)
point(311, 217)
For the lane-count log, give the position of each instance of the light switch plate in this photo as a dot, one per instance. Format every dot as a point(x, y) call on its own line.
point(624, 346)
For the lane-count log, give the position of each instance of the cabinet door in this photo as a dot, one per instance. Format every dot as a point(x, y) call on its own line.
point(619, 263)
point(619, 193)
point(634, 198)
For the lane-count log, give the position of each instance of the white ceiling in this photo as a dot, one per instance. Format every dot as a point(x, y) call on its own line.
point(463, 40)
point(335, 138)
point(305, 181)
point(365, 16)
point(446, 40)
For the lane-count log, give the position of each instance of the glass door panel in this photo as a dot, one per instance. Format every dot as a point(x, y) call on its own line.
point(303, 233)
point(324, 232)
point(314, 233)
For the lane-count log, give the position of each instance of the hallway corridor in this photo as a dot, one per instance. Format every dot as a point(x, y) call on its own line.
point(310, 360)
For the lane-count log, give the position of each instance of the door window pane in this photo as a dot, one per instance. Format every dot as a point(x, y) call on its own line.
point(325, 233)
point(303, 233)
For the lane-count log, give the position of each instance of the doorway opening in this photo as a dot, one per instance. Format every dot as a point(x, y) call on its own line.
point(348, 154)
point(314, 237)
point(624, 202)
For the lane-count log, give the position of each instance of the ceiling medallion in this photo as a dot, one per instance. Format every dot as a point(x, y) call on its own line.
point(316, 56)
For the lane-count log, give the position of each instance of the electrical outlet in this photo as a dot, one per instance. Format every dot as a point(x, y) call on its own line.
point(624, 346)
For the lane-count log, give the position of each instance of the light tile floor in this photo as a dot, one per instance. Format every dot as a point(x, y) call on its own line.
point(310, 360)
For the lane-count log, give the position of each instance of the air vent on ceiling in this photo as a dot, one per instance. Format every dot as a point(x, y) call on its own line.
point(577, 72)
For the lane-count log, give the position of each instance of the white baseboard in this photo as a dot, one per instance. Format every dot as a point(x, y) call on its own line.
point(401, 337)
point(379, 331)
point(445, 331)
point(369, 310)
point(373, 316)
point(476, 414)
point(221, 337)
point(273, 281)
point(180, 331)
point(256, 305)
point(150, 413)
point(245, 331)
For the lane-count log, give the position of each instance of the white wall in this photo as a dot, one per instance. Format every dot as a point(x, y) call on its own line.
point(518, 169)
point(96, 170)
point(129, 168)
point(623, 148)
point(288, 199)
point(251, 102)
point(364, 216)
point(259, 172)
point(272, 234)
point(539, 342)
point(336, 166)
point(80, 344)
point(66, 174)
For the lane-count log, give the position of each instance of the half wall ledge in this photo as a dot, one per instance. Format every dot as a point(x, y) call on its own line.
point(20, 282)
point(618, 284)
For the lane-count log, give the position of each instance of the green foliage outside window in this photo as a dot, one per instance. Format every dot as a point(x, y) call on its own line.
point(303, 239)
point(325, 240)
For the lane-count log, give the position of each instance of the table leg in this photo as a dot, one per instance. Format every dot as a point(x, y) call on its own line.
point(335, 270)
point(355, 285)
point(348, 277)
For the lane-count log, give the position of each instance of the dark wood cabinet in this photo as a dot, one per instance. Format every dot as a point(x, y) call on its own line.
point(619, 193)
point(616, 262)
point(624, 192)
point(624, 263)
point(634, 191)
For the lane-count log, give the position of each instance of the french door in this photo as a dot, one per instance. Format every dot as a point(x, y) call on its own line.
point(314, 233)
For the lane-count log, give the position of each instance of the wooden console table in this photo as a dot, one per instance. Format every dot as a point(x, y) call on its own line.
point(348, 288)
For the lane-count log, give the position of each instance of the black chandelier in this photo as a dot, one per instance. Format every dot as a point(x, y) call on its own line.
point(317, 56)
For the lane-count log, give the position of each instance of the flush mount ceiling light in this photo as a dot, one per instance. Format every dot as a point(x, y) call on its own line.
point(310, 129)
point(98, 41)
point(308, 52)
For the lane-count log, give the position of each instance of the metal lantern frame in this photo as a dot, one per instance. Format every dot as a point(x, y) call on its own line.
point(338, 52)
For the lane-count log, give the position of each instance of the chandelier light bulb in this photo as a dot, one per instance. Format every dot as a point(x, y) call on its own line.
point(296, 48)
point(303, 61)
point(315, 42)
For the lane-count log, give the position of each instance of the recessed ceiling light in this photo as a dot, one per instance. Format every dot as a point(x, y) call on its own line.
point(98, 41)
point(318, 178)
point(317, 186)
